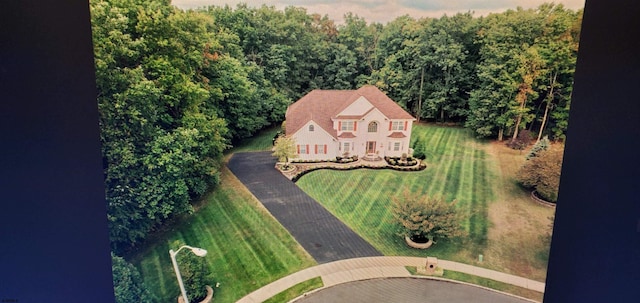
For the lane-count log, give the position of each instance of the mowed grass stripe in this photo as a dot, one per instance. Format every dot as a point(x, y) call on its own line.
point(152, 267)
point(354, 191)
point(366, 191)
point(228, 265)
point(436, 163)
point(433, 138)
point(465, 190)
point(236, 225)
point(478, 222)
point(447, 160)
point(261, 242)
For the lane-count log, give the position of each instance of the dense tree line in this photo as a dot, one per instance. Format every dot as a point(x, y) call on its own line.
point(173, 94)
point(176, 88)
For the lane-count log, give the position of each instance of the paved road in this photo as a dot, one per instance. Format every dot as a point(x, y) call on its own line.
point(407, 290)
point(321, 234)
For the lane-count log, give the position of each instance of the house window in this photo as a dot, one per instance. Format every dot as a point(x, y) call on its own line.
point(311, 127)
point(397, 125)
point(396, 146)
point(347, 126)
point(321, 149)
point(373, 127)
point(302, 149)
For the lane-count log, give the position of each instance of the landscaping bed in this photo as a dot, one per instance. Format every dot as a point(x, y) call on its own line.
point(304, 167)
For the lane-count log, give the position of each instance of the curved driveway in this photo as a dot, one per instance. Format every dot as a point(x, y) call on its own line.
point(320, 233)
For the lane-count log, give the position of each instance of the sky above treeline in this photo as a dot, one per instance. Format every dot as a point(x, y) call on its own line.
point(383, 11)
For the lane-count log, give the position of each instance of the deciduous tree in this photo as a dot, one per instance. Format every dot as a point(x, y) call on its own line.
point(424, 217)
point(285, 149)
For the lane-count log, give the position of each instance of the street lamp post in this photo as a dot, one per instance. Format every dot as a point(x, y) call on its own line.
point(198, 252)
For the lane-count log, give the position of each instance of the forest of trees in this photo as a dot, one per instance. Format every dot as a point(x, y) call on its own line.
point(177, 88)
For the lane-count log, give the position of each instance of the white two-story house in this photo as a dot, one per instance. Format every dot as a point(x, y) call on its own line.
point(363, 122)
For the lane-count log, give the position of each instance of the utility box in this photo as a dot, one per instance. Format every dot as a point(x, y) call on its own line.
point(432, 264)
point(430, 268)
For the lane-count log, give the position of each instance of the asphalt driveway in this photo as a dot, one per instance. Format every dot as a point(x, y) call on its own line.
point(320, 233)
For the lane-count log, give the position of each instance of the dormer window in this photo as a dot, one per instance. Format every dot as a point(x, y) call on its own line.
point(373, 127)
point(311, 127)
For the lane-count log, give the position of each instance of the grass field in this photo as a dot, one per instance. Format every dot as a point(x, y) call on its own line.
point(459, 167)
point(247, 248)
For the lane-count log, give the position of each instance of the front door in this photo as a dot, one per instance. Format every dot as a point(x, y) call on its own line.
point(371, 147)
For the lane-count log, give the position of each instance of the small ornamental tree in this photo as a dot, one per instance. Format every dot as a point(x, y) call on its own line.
point(424, 218)
point(542, 173)
point(540, 146)
point(285, 149)
point(418, 150)
point(127, 282)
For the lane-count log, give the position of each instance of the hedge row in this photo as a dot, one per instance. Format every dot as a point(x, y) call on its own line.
point(337, 160)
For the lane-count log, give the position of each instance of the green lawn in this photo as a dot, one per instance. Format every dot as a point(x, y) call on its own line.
point(247, 248)
point(457, 169)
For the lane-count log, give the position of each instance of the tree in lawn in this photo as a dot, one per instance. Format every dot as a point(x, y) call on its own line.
point(425, 218)
point(127, 282)
point(285, 149)
point(542, 173)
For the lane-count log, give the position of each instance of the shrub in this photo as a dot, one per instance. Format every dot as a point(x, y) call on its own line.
point(522, 141)
point(127, 282)
point(542, 174)
point(418, 150)
point(426, 217)
point(540, 146)
point(195, 274)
